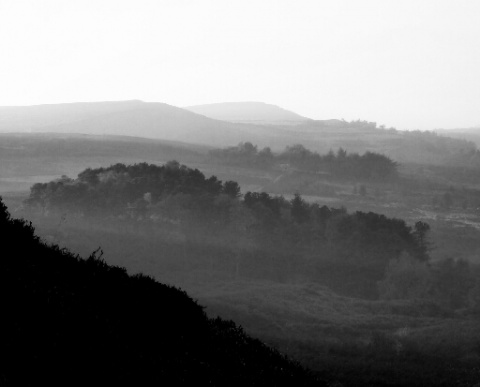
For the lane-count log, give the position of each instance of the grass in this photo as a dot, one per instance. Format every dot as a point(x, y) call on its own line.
point(341, 337)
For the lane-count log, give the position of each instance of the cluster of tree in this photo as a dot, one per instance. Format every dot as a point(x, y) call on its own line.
point(430, 148)
point(283, 239)
point(245, 154)
point(359, 125)
point(454, 284)
point(363, 124)
point(68, 320)
point(464, 198)
point(370, 165)
point(119, 187)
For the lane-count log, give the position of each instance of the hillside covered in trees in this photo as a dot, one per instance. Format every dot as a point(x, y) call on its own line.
point(73, 321)
point(257, 235)
point(354, 296)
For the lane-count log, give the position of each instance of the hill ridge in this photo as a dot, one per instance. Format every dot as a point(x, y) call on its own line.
point(248, 111)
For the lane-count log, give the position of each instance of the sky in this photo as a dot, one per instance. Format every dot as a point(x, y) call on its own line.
point(406, 64)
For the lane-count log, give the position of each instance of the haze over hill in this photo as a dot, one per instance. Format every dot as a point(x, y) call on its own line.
point(131, 118)
point(248, 112)
point(469, 134)
point(156, 120)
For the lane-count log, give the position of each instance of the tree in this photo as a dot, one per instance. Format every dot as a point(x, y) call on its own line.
point(231, 188)
point(247, 148)
point(405, 278)
point(420, 235)
point(299, 210)
point(265, 156)
point(453, 282)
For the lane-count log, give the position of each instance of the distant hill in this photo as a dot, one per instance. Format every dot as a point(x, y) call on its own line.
point(27, 158)
point(76, 322)
point(166, 122)
point(126, 118)
point(248, 112)
point(469, 134)
point(44, 117)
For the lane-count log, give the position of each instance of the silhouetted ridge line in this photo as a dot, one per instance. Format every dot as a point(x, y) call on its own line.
point(73, 321)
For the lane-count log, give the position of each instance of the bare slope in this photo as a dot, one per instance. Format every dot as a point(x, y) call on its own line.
point(248, 112)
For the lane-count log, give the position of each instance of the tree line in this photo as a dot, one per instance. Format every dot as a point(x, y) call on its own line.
point(267, 235)
point(340, 164)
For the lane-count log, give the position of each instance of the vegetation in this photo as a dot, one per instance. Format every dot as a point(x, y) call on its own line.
point(369, 166)
point(265, 234)
point(68, 320)
point(270, 262)
point(354, 342)
point(266, 262)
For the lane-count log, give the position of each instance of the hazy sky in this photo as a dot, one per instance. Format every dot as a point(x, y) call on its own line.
point(408, 64)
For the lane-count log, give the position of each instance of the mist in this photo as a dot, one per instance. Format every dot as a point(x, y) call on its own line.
point(240, 194)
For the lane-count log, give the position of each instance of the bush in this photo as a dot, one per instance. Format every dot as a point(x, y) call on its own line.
point(405, 278)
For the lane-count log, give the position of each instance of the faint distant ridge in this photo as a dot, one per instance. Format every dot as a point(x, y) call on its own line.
point(48, 116)
point(263, 124)
point(128, 118)
point(469, 134)
point(248, 112)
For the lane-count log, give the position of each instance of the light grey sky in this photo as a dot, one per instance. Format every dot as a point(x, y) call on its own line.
point(408, 64)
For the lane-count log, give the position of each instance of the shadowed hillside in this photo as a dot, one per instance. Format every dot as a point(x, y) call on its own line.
point(73, 321)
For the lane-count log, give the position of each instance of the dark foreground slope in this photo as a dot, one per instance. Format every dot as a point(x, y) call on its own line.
point(72, 321)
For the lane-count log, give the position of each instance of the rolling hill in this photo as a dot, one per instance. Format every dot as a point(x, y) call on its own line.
point(28, 158)
point(166, 122)
point(469, 134)
point(126, 118)
point(248, 112)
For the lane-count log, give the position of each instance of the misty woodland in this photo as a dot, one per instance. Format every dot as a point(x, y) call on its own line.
point(240, 193)
point(291, 252)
